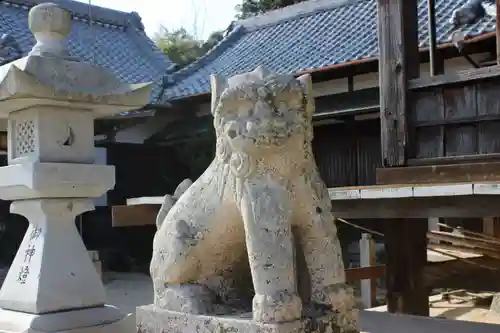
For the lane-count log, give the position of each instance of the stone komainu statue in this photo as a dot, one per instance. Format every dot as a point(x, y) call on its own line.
point(237, 218)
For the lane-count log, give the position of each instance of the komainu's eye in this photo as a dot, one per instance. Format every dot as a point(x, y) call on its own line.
point(245, 109)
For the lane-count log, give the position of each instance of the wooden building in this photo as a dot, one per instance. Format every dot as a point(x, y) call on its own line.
point(439, 144)
point(336, 42)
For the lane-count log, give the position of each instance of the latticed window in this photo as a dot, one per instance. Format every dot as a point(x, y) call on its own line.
point(24, 137)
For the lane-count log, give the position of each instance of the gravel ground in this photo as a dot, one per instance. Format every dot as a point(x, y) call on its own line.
point(125, 290)
point(128, 290)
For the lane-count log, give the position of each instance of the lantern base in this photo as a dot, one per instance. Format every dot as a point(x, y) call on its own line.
point(105, 319)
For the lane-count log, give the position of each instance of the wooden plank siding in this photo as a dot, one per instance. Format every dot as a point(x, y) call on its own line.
point(348, 154)
point(456, 121)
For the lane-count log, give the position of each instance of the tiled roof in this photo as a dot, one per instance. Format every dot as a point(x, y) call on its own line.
point(112, 39)
point(306, 36)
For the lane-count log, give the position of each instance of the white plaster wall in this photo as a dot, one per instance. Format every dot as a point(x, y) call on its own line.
point(140, 132)
point(370, 80)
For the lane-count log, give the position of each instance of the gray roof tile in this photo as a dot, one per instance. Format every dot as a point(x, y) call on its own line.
point(306, 36)
point(114, 40)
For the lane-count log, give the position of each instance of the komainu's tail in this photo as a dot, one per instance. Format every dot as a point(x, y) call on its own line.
point(170, 200)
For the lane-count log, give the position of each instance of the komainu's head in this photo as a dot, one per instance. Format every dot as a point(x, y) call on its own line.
point(260, 110)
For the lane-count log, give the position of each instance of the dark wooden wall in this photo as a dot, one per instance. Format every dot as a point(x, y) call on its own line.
point(12, 228)
point(140, 170)
point(143, 170)
point(348, 154)
point(456, 120)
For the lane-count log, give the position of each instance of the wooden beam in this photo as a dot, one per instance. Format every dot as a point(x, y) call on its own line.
point(474, 246)
point(491, 226)
point(459, 159)
point(398, 62)
point(364, 273)
point(395, 191)
point(406, 252)
point(497, 20)
point(477, 251)
point(455, 77)
point(423, 207)
point(436, 63)
point(131, 216)
point(452, 173)
point(146, 201)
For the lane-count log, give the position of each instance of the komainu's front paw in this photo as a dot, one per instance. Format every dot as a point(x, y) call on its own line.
point(187, 298)
point(340, 298)
point(279, 307)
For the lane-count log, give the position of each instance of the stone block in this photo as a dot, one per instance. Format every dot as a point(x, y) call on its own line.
point(151, 319)
point(106, 319)
point(59, 180)
point(96, 260)
point(48, 134)
point(495, 304)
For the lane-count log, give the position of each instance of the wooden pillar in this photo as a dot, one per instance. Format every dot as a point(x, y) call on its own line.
point(436, 62)
point(491, 226)
point(498, 30)
point(398, 62)
point(406, 252)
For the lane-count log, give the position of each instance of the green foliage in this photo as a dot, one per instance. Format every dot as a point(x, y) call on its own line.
point(250, 8)
point(181, 47)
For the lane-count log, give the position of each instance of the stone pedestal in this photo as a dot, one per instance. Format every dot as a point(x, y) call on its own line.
point(152, 319)
point(105, 319)
point(51, 100)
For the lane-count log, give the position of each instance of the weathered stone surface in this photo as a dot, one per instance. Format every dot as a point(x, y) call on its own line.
point(48, 76)
point(55, 180)
point(170, 200)
point(152, 319)
point(229, 236)
point(495, 304)
point(106, 319)
point(51, 101)
point(45, 278)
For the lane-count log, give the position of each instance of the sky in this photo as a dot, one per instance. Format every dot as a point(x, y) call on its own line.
point(199, 17)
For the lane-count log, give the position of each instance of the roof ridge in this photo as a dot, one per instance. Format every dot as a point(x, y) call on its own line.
point(212, 53)
point(300, 9)
point(81, 10)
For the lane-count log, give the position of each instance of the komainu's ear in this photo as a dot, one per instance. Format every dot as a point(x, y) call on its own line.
point(261, 72)
point(306, 82)
point(218, 84)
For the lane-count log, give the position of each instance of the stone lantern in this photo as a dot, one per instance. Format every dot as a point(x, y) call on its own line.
point(51, 100)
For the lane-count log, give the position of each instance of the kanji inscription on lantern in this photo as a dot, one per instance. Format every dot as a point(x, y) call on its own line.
point(28, 253)
point(35, 233)
point(23, 274)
